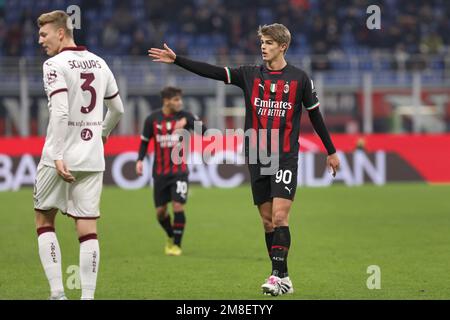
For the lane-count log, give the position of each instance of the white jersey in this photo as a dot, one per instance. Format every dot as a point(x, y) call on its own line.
point(87, 80)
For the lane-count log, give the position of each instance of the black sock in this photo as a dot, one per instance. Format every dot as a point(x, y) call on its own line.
point(269, 241)
point(166, 225)
point(280, 249)
point(178, 226)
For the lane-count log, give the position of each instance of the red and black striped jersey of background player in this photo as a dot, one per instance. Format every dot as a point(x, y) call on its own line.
point(274, 100)
point(161, 128)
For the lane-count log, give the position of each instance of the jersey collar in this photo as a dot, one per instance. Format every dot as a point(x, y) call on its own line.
point(77, 48)
point(171, 115)
point(269, 71)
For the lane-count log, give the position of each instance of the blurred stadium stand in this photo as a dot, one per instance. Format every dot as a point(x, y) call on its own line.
point(401, 73)
point(204, 27)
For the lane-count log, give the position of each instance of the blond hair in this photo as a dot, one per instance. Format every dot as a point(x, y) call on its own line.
point(59, 18)
point(277, 32)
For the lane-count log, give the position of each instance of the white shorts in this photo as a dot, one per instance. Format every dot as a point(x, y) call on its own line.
point(80, 199)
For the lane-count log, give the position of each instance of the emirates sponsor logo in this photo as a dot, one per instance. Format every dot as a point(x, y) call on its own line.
point(271, 104)
point(167, 140)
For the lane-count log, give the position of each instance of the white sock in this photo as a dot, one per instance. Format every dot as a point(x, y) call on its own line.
point(89, 263)
point(50, 255)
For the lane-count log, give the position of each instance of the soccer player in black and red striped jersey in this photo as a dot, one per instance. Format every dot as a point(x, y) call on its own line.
point(170, 176)
point(274, 95)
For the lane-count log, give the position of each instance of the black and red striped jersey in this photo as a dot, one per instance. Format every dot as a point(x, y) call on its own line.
point(161, 128)
point(274, 100)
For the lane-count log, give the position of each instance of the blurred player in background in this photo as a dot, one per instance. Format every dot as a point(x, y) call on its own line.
point(70, 173)
point(274, 94)
point(170, 176)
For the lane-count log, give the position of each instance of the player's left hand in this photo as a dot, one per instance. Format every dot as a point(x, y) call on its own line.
point(180, 124)
point(333, 163)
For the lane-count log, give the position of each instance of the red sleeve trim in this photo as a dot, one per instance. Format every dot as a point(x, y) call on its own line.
point(111, 97)
point(58, 91)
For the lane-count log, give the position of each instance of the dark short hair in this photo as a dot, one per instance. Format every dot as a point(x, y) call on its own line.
point(170, 92)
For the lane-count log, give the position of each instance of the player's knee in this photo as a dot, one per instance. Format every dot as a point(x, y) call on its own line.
point(177, 207)
point(86, 226)
point(161, 212)
point(268, 225)
point(280, 218)
point(45, 218)
point(267, 222)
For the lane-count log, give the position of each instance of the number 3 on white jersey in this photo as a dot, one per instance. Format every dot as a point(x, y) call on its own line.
point(86, 86)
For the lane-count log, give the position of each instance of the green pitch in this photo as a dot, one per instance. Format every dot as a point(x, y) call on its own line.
point(336, 234)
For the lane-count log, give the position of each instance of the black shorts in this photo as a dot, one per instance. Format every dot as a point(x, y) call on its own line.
point(283, 184)
point(170, 188)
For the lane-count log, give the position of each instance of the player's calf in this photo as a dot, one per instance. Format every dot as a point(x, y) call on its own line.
point(50, 256)
point(178, 227)
point(89, 256)
point(89, 263)
point(164, 220)
point(265, 211)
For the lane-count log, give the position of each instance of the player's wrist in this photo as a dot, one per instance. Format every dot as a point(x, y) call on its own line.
point(179, 60)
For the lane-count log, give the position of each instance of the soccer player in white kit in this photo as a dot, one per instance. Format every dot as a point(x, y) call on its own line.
point(70, 174)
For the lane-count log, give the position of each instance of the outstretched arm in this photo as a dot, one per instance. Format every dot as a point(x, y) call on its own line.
point(167, 55)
